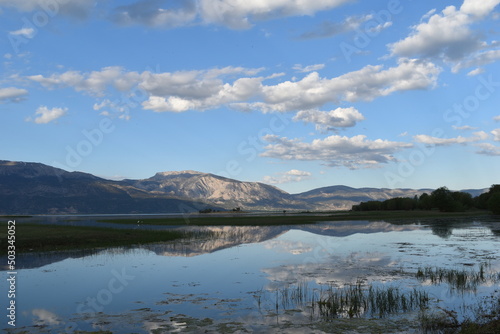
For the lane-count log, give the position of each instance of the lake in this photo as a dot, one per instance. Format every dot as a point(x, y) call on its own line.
point(323, 278)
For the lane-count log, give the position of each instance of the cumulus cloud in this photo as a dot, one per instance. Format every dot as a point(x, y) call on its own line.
point(464, 128)
point(95, 82)
point(496, 134)
point(496, 118)
point(293, 175)
point(44, 115)
point(26, 32)
point(330, 120)
point(455, 42)
point(79, 9)
point(240, 88)
point(480, 59)
point(488, 149)
point(12, 94)
point(363, 85)
point(239, 14)
point(475, 72)
point(168, 91)
point(309, 68)
point(198, 92)
point(430, 140)
point(234, 14)
point(351, 152)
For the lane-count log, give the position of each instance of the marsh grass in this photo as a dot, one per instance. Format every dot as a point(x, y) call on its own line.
point(460, 279)
point(351, 301)
point(358, 300)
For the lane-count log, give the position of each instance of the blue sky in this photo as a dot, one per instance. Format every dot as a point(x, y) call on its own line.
point(298, 94)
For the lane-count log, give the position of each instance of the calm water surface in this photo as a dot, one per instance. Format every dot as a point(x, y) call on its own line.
point(241, 279)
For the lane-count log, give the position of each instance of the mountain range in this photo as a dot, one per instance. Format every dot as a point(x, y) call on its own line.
point(35, 188)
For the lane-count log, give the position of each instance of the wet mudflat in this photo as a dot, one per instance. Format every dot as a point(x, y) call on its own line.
point(330, 277)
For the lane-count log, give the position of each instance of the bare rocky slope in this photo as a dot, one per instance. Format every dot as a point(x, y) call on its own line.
point(219, 191)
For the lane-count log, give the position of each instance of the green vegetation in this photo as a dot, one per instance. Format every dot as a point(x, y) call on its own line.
point(441, 199)
point(31, 237)
point(351, 301)
point(356, 301)
point(459, 279)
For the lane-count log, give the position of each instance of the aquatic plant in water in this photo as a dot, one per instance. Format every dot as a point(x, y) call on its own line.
point(358, 300)
point(460, 279)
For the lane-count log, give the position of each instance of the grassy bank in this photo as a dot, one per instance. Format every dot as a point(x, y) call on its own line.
point(36, 238)
point(290, 218)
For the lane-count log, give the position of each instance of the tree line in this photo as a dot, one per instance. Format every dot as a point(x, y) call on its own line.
point(441, 199)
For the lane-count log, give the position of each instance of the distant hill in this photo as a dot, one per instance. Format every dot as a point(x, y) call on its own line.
point(34, 188)
point(343, 197)
point(219, 191)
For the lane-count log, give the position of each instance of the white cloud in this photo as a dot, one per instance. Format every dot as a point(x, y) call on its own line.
point(478, 8)
point(447, 35)
point(95, 82)
point(363, 85)
point(464, 128)
point(239, 14)
point(44, 115)
point(488, 149)
point(12, 94)
point(236, 86)
point(293, 175)
point(476, 71)
point(479, 59)
point(309, 68)
point(172, 103)
point(26, 32)
point(429, 140)
point(79, 9)
point(380, 27)
point(496, 118)
point(496, 134)
point(329, 120)
point(234, 14)
point(114, 108)
point(352, 152)
point(199, 93)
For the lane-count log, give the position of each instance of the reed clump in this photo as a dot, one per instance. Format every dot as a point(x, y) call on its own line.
point(358, 300)
point(459, 279)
